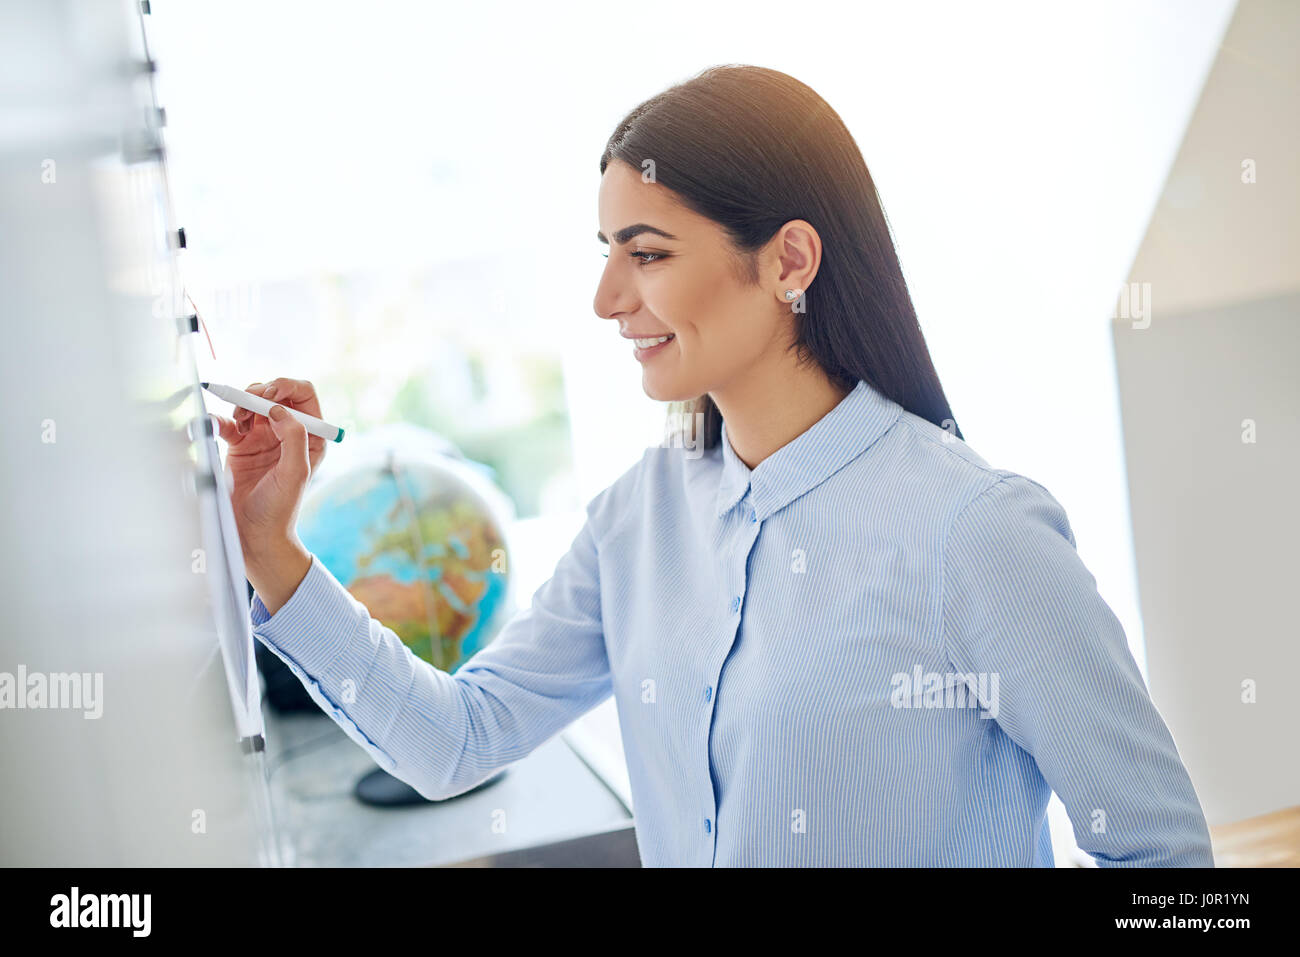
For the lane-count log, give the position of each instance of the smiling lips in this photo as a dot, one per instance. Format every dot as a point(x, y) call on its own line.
point(651, 341)
point(644, 347)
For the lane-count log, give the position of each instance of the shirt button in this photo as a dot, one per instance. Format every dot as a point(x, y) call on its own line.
point(735, 603)
point(708, 693)
point(753, 516)
point(708, 826)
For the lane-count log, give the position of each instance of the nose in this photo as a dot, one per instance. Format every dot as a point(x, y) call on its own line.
point(614, 295)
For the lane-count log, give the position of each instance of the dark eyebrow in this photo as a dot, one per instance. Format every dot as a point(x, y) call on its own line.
point(628, 232)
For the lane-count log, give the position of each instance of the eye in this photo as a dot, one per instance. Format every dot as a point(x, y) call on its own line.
point(643, 257)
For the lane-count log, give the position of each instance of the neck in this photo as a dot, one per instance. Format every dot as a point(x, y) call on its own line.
point(766, 409)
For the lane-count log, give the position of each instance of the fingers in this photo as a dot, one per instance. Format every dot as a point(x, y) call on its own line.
point(244, 417)
point(226, 428)
point(296, 393)
point(315, 450)
point(293, 468)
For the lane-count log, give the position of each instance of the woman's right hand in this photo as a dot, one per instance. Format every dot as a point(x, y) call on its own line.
point(269, 461)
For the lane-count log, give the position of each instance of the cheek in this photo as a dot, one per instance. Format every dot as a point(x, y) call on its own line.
point(722, 326)
point(732, 330)
point(706, 313)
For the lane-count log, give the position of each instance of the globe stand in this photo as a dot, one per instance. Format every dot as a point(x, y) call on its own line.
point(378, 788)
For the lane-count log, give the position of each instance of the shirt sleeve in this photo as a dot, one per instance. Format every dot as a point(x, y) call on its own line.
point(444, 733)
point(1019, 604)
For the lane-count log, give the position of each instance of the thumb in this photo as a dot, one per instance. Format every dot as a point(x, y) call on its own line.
point(293, 467)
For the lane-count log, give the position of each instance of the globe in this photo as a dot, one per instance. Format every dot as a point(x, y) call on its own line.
point(416, 533)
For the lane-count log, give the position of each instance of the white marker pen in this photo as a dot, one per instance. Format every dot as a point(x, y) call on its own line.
point(255, 403)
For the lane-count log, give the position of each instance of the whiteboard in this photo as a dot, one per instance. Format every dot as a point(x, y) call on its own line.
point(122, 591)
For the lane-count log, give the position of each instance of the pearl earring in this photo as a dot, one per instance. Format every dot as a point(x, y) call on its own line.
point(792, 294)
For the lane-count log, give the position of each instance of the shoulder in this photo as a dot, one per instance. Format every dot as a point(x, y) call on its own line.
point(664, 480)
point(1010, 503)
point(611, 503)
point(961, 471)
point(659, 472)
point(970, 497)
point(1013, 525)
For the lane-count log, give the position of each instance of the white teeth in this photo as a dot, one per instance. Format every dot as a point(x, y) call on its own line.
point(647, 343)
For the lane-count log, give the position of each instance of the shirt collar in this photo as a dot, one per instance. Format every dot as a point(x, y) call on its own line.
point(833, 441)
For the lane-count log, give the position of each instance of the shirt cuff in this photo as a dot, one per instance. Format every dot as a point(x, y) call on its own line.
point(314, 625)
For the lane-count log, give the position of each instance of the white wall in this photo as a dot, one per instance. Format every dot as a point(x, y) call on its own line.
point(1216, 518)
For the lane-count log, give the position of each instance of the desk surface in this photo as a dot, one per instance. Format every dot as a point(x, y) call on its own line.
point(548, 796)
point(1270, 840)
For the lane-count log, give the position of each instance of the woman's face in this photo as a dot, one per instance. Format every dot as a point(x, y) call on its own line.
point(687, 285)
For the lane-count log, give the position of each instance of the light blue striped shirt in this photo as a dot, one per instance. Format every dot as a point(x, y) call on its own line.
point(871, 649)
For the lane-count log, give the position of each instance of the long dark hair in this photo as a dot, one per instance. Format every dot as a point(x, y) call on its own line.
point(751, 149)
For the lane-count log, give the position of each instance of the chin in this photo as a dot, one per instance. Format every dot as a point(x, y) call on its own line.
point(663, 389)
point(654, 391)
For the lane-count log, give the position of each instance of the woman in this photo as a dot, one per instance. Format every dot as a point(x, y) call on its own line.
point(835, 637)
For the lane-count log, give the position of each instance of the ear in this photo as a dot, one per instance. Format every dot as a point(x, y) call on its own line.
point(799, 251)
